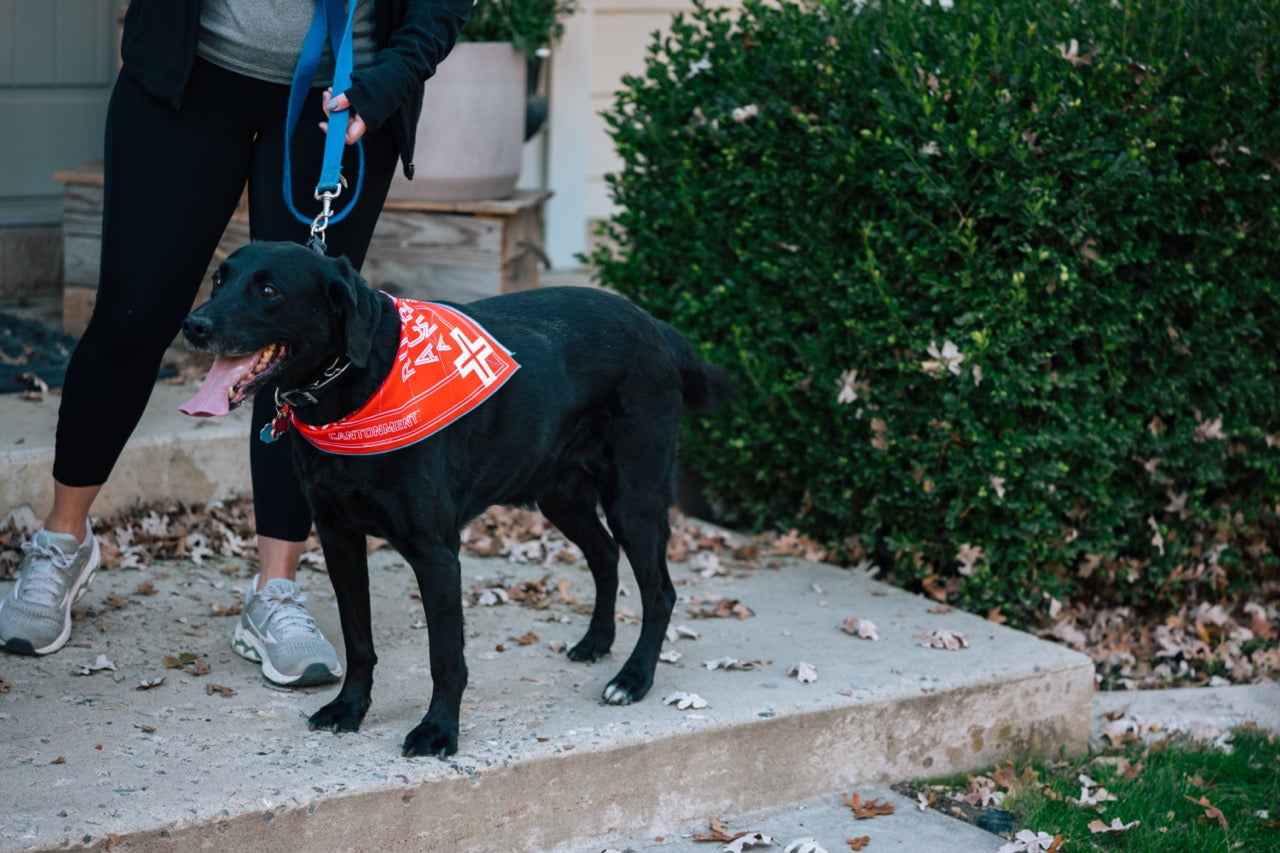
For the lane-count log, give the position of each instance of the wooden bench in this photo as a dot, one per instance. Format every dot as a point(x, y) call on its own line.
point(458, 251)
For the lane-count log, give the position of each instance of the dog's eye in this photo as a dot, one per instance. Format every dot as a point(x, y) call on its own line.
point(263, 287)
point(218, 279)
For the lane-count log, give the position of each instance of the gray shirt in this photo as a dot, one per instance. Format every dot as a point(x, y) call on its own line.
point(263, 38)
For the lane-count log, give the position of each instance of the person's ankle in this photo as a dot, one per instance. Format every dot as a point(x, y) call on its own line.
point(78, 529)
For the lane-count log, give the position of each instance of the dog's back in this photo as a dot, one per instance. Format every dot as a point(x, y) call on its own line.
point(597, 336)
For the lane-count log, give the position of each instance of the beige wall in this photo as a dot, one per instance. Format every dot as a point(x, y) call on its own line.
point(604, 41)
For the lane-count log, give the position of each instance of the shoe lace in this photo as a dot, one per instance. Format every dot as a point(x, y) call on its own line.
point(287, 614)
point(44, 577)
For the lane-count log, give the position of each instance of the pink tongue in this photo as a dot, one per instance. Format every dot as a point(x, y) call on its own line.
point(211, 399)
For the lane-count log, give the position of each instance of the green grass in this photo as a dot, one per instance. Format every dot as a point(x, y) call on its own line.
point(1243, 784)
point(1171, 776)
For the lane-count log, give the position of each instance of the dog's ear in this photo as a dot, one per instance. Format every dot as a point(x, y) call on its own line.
point(357, 306)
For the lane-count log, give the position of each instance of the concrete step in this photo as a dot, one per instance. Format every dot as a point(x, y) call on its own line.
point(542, 765)
point(170, 456)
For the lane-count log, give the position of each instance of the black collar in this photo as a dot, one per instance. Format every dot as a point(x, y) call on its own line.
point(306, 395)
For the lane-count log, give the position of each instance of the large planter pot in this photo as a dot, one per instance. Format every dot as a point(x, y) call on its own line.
point(471, 133)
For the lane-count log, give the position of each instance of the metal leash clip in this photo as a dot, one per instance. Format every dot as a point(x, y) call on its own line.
point(321, 222)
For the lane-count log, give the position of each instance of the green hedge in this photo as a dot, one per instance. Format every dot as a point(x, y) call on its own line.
point(1080, 199)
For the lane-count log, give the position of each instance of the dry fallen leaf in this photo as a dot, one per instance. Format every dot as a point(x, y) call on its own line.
point(864, 628)
point(723, 608)
point(676, 632)
point(1071, 53)
point(1029, 841)
point(733, 663)
point(197, 667)
point(212, 688)
point(805, 673)
point(1123, 730)
point(526, 639)
point(1125, 770)
point(804, 845)
point(1093, 796)
point(748, 839)
point(871, 808)
point(97, 666)
point(34, 388)
point(1116, 827)
point(149, 683)
point(945, 638)
point(718, 832)
point(858, 843)
point(492, 597)
point(1211, 812)
point(707, 564)
point(1007, 777)
point(684, 701)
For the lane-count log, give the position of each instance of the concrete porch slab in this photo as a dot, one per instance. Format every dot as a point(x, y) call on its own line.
point(92, 761)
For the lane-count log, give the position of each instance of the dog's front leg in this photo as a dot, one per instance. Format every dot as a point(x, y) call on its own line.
point(440, 584)
point(348, 564)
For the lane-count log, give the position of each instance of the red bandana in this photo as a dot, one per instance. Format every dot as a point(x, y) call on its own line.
point(447, 364)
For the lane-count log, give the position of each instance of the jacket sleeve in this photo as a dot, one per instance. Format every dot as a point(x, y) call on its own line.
point(417, 44)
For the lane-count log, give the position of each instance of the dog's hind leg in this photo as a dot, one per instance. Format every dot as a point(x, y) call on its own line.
point(348, 565)
point(439, 577)
point(636, 508)
point(574, 512)
point(645, 541)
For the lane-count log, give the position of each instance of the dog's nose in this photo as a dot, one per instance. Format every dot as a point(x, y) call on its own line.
point(197, 331)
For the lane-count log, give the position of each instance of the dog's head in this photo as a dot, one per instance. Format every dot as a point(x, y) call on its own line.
point(279, 312)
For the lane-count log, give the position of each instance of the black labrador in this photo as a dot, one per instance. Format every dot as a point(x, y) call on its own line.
point(588, 420)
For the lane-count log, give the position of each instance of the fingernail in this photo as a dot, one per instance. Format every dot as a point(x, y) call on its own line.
point(333, 105)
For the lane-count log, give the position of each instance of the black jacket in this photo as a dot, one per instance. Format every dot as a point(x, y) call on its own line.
point(158, 49)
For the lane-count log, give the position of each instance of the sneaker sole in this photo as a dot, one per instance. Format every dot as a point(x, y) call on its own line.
point(78, 589)
point(249, 647)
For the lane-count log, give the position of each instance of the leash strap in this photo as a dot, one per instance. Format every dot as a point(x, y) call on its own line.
point(329, 19)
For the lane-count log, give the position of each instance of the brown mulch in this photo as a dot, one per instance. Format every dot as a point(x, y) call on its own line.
point(1232, 640)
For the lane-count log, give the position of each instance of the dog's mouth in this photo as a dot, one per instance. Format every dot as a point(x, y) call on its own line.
point(233, 379)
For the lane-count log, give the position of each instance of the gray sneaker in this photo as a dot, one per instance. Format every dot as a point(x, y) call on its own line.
point(35, 617)
point(276, 631)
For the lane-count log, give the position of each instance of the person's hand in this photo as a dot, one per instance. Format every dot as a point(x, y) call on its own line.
point(355, 125)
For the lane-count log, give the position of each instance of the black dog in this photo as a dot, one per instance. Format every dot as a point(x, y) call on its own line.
point(589, 419)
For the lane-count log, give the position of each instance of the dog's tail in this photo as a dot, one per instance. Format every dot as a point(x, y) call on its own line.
point(705, 386)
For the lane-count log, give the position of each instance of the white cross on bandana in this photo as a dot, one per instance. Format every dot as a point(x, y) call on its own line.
point(474, 358)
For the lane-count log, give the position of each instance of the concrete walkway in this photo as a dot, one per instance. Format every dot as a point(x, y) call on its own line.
point(91, 760)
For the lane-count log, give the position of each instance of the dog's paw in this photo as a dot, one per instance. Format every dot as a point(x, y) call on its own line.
point(431, 738)
point(337, 717)
point(627, 687)
point(592, 647)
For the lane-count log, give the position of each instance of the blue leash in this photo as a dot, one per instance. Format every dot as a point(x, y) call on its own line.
point(329, 18)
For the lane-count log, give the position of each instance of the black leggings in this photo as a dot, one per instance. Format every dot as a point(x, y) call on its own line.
point(172, 181)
